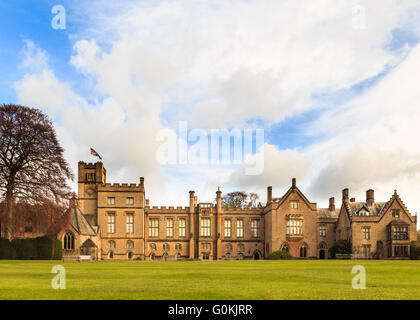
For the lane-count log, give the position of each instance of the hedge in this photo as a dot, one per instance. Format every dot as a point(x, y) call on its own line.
point(279, 255)
point(42, 248)
point(341, 246)
point(415, 252)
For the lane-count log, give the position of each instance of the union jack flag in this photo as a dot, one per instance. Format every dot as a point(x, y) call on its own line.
point(93, 152)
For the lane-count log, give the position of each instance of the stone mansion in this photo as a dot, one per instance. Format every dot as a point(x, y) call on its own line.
point(116, 221)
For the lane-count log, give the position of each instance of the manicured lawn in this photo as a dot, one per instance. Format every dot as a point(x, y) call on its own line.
point(310, 279)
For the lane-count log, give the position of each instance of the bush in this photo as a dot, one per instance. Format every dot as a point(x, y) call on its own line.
point(341, 246)
point(31, 249)
point(7, 250)
point(415, 252)
point(279, 255)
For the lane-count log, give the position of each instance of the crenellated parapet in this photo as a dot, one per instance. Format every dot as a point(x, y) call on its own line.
point(167, 210)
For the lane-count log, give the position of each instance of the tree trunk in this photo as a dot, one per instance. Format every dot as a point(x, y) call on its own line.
point(9, 215)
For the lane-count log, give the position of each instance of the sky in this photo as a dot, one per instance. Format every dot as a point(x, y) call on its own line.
point(333, 84)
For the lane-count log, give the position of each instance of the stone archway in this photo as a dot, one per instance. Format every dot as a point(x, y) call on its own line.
point(89, 248)
point(322, 250)
point(257, 255)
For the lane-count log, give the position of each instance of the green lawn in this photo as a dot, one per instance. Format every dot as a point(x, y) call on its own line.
point(287, 279)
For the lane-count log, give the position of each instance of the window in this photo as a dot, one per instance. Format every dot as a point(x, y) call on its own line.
point(228, 228)
point(130, 244)
point(255, 228)
point(111, 222)
point(182, 225)
point(366, 233)
point(178, 246)
point(240, 228)
point(154, 227)
point(129, 200)
point(170, 227)
point(241, 247)
point(395, 213)
point(294, 204)
point(152, 246)
point(303, 251)
point(294, 227)
point(166, 246)
point(111, 244)
point(130, 223)
point(399, 233)
point(322, 230)
point(130, 255)
point(285, 247)
point(111, 200)
point(366, 250)
point(205, 227)
point(68, 241)
point(90, 177)
point(111, 255)
point(401, 251)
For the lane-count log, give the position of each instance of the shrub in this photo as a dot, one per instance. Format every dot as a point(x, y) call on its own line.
point(415, 252)
point(7, 250)
point(341, 246)
point(279, 255)
point(31, 249)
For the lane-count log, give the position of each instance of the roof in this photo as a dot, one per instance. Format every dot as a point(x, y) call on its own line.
point(89, 244)
point(325, 213)
point(398, 223)
point(80, 224)
point(374, 210)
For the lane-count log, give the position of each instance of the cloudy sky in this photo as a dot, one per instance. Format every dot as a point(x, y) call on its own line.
point(333, 83)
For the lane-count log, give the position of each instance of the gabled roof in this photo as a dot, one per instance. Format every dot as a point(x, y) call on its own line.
point(80, 224)
point(286, 195)
point(89, 244)
point(374, 210)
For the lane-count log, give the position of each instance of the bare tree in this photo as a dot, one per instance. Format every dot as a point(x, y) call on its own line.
point(253, 198)
point(33, 170)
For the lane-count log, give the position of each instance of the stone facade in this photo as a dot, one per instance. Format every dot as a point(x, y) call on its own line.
point(125, 226)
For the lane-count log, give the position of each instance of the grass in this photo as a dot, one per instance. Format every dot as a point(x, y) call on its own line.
point(206, 280)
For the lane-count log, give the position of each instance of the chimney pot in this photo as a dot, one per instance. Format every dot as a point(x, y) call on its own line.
point(332, 204)
point(293, 182)
point(269, 194)
point(353, 200)
point(370, 197)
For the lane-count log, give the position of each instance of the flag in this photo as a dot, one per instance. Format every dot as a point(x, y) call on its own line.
point(94, 153)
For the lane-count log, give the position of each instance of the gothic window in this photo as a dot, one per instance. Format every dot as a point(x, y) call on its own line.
point(170, 227)
point(68, 243)
point(130, 223)
point(130, 244)
point(322, 230)
point(111, 222)
point(303, 251)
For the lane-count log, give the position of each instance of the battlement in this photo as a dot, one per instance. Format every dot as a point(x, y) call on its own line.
point(242, 210)
point(168, 210)
point(121, 187)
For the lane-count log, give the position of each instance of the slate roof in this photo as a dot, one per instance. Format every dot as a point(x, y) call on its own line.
point(325, 213)
point(374, 210)
point(80, 224)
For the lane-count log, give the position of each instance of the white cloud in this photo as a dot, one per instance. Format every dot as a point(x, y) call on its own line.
point(220, 63)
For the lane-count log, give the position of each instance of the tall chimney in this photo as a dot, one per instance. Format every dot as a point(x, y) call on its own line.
point(269, 194)
point(219, 199)
point(332, 204)
point(141, 181)
point(370, 197)
point(192, 206)
point(345, 195)
point(293, 182)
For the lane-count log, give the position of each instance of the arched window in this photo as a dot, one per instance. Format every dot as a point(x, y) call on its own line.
point(68, 243)
point(284, 247)
point(166, 246)
point(111, 255)
point(152, 246)
point(178, 246)
point(130, 244)
point(152, 256)
point(303, 251)
point(129, 255)
point(111, 244)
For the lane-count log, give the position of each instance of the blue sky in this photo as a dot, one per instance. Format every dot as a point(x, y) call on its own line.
point(144, 66)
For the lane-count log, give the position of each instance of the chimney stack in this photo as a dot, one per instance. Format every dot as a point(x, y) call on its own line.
point(142, 181)
point(332, 204)
point(345, 195)
point(269, 194)
point(293, 182)
point(370, 197)
point(353, 200)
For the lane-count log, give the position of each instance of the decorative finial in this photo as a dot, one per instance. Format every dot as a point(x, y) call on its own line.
point(395, 191)
point(218, 188)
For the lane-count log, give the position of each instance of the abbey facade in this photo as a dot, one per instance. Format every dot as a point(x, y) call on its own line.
point(116, 221)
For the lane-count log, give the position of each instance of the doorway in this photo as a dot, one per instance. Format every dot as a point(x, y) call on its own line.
point(322, 254)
